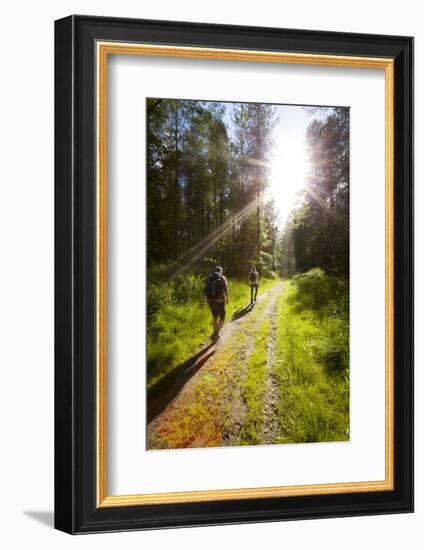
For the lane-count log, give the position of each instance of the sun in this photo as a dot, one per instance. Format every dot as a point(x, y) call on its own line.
point(288, 172)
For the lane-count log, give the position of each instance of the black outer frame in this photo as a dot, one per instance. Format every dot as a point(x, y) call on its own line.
point(75, 275)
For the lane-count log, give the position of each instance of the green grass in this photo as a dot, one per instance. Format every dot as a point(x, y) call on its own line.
point(253, 390)
point(179, 320)
point(312, 354)
point(202, 417)
point(311, 363)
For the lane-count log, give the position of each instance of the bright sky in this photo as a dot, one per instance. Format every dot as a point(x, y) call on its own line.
point(288, 160)
point(289, 164)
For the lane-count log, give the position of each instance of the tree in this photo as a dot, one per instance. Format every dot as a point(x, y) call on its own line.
point(319, 230)
point(205, 187)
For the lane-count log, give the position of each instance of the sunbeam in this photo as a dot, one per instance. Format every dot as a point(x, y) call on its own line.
point(327, 209)
point(198, 250)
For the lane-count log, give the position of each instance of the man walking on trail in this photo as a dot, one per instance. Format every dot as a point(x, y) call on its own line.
point(254, 284)
point(217, 294)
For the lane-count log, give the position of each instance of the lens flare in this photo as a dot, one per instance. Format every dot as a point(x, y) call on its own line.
point(288, 175)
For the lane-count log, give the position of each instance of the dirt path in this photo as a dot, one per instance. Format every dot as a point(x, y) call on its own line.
point(270, 426)
point(201, 404)
point(235, 403)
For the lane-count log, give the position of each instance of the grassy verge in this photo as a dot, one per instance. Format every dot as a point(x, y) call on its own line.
point(178, 325)
point(254, 388)
point(312, 353)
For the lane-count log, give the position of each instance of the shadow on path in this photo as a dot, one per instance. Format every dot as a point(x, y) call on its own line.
point(242, 312)
point(164, 391)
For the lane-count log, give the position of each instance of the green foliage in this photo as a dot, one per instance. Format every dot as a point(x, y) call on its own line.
point(206, 184)
point(179, 320)
point(314, 289)
point(333, 349)
point(188, 288)
point(203, 189)
point(174, 333)
point(322, 293)
point(185, 288)
point(312, 362)
point(158, 296)
point(318, 233)
point(265, 265)
point(206, 176)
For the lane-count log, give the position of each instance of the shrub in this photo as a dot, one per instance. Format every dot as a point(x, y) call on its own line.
point(159, 296)
point(333, 352)
point(318, 291)
point(188, 288)
point(327, 297)
point(184, 289)
point(314, 289)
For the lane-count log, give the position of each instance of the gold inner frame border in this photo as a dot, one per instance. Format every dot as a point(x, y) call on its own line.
point(103, 50)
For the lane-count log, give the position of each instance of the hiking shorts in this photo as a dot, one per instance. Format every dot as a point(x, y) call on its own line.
point(217, 310)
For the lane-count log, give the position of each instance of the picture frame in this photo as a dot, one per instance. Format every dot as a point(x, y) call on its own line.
point(83, 45)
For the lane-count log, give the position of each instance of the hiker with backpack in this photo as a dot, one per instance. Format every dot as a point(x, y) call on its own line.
point(254, 284)
point(217, 295)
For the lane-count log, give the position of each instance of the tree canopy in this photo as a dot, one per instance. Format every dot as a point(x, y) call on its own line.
point(207, 182)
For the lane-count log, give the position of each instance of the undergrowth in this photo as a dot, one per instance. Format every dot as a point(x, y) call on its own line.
point(179, 320)
point(312, 359)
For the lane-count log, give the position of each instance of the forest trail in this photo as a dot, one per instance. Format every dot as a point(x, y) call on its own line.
point(202, 403)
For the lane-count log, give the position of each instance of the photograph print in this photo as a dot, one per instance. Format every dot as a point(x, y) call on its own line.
point(247, 274)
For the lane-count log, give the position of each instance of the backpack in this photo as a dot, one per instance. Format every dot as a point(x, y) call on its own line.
point(212, 288)
point(253, 276)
